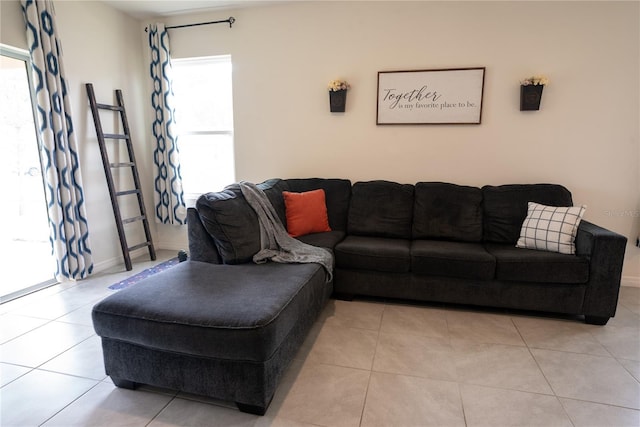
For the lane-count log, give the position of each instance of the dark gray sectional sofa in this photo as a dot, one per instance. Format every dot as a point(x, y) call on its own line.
point(432, 241)
point(221, 326)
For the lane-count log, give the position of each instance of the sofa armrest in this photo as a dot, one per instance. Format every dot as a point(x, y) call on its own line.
point(605, 251)
point(201, 245)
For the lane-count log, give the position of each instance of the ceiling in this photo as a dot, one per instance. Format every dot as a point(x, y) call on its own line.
point(142, 9)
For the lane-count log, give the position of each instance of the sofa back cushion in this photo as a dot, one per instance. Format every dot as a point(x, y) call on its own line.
point(273, 188)
point(447, 212)
point(202, 247)
point(232, 222)
point(381, 208)
point(337, 195)
point(505, 207)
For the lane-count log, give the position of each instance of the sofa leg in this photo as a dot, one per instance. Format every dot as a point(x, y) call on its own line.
point(596, 320)
point(251, 409)
point(119, 382)
point(343, 297)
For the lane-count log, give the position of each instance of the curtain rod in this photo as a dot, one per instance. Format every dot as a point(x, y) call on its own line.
point(230, 21)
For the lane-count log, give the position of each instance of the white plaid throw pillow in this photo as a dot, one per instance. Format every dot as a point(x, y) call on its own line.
point(551, 228)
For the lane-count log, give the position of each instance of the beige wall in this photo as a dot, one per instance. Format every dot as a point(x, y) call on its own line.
point(12, 30)
point(586, 136)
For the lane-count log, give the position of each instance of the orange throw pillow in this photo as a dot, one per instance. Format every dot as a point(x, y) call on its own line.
point(306, 212)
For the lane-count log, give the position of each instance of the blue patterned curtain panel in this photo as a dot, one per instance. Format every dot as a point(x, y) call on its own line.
point(168, 196)
point(69, 231)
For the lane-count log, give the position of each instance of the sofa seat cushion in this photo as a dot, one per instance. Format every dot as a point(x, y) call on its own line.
point(374, 253)
point(242, 312)
point(327, 240)
point(452, 259)
point(447, 212)
point(529, 265)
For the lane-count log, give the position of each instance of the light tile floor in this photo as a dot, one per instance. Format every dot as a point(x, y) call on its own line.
point(365, 363)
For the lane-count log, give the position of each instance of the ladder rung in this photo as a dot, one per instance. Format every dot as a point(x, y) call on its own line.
point(125, 192)
point(109, 107)
point(141, 245)
point(121, 165)
point(115, 136)
point(132, 219)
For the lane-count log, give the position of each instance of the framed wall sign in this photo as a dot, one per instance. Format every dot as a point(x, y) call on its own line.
point(430, 97)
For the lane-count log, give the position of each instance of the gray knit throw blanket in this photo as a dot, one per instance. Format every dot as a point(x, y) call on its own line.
point(275, 243)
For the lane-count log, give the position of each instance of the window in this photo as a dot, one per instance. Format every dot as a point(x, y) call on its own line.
point(204, 115)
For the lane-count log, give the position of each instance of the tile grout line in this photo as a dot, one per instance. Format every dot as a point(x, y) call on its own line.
point(47, 321)
point(373, 359)
point(39, 367)
point(162, 409)
point(459, 382)
point(70, 403)
point(464, 413)
point(618, 359)
point(593, 402)
point(533, 357)
point(555, 394)
point(30, 369)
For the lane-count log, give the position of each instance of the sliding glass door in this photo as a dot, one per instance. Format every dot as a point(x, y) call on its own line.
point(24, 230)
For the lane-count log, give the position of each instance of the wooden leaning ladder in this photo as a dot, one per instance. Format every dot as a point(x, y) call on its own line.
point(108, 166)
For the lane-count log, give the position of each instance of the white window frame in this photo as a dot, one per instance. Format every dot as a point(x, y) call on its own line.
point(23, 55)
point(191, 197)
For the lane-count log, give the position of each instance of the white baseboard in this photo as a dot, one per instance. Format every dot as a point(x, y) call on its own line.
point(170, 246)
point(633, 281)
point(119, 260)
